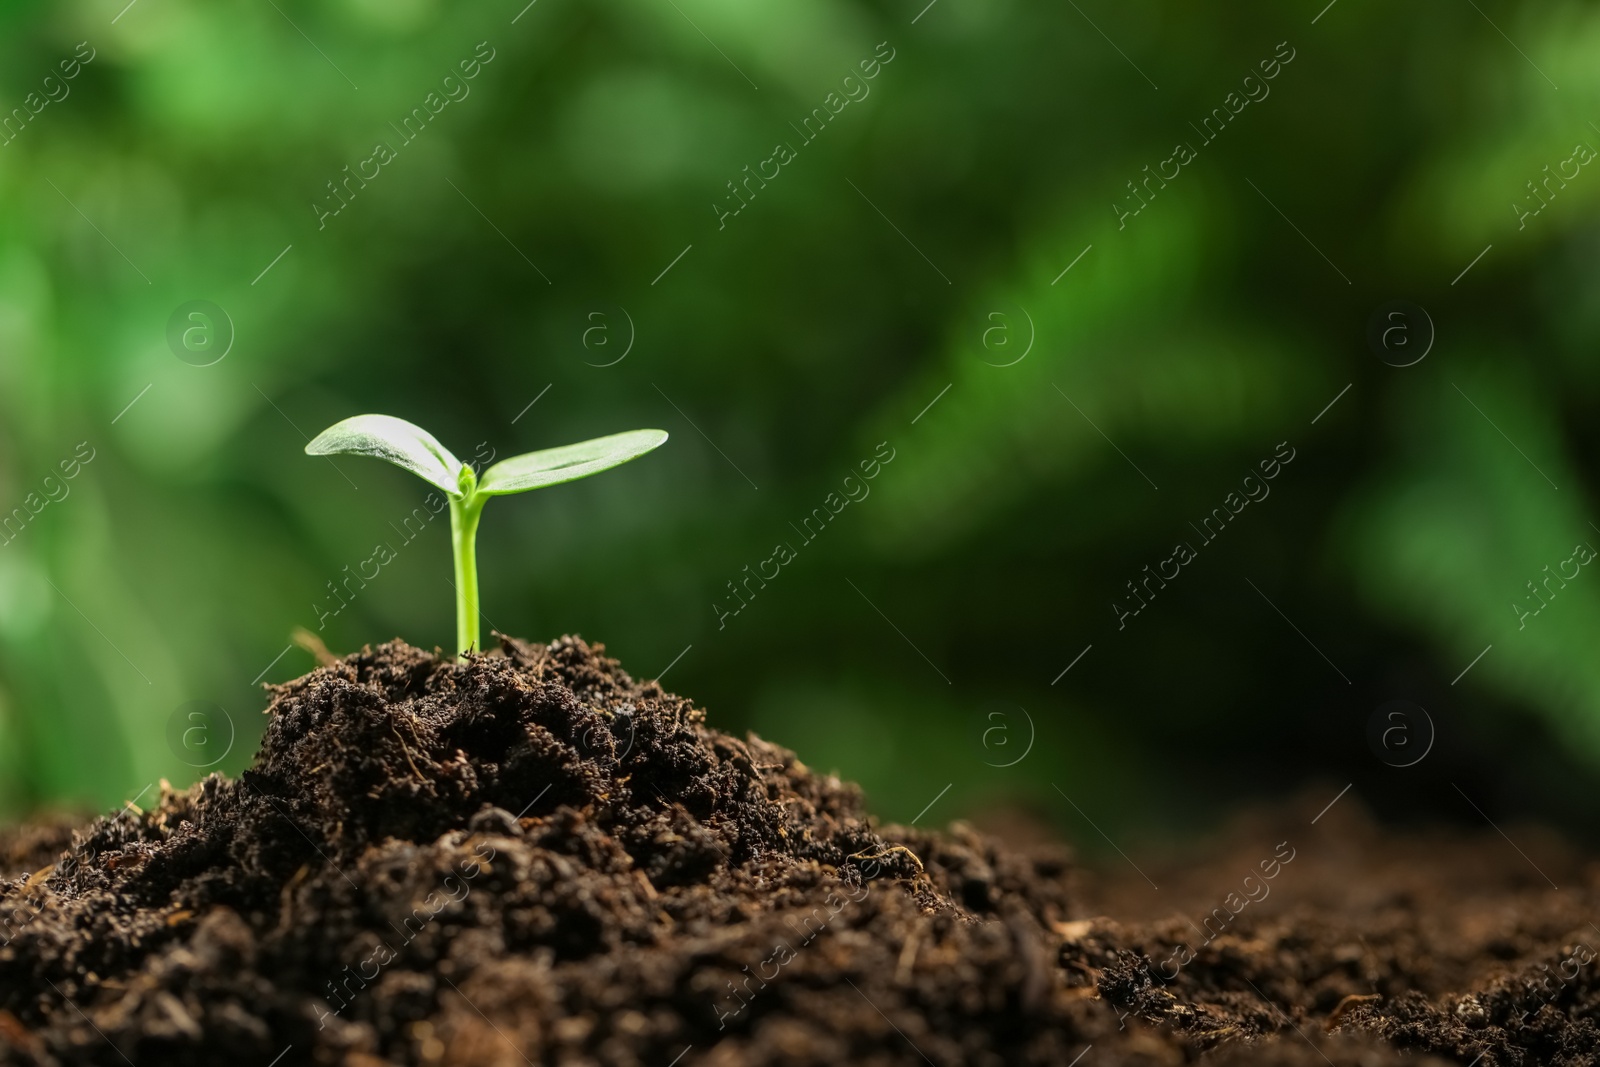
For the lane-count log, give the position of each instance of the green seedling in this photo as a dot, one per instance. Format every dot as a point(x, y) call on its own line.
point(415, 449)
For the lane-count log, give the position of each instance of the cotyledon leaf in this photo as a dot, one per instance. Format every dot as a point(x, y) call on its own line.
point(552, 466)
point(396, 440)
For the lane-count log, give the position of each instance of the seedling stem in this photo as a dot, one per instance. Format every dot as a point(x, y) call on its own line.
point(409, 446)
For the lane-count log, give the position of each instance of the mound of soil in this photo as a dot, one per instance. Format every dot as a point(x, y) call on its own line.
point(533, 858)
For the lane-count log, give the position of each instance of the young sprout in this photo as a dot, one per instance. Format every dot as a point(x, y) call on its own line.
point(415, 449)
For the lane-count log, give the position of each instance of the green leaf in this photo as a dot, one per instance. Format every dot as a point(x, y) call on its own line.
point(396, 440)
point(535, 470)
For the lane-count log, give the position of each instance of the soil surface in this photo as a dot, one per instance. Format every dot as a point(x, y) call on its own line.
point(533, 858)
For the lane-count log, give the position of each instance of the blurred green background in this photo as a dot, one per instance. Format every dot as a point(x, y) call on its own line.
point(914, 252)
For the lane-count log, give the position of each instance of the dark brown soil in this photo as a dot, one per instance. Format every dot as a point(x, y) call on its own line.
point(532, 858)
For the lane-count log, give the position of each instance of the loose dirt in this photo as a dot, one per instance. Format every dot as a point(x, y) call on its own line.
point(534, 858)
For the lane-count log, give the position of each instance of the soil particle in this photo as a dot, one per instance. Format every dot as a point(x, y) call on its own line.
point(533, 858)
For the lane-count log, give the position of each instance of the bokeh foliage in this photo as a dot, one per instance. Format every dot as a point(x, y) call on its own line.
point(808, 329)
